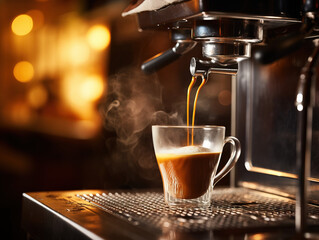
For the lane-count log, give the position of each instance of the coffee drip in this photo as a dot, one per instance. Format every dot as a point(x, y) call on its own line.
point(194, 106)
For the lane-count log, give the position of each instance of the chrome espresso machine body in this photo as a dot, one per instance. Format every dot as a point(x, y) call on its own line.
point(271, 50)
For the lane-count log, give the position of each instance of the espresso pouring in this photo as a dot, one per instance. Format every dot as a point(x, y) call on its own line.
point(188, 170)
point(194, 105)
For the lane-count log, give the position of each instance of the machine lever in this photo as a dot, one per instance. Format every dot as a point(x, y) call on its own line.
point(162, 59)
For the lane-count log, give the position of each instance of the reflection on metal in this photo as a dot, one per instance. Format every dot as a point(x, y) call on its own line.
point(231, 209)
point(249, 166)
point(253, 85)
point(226, 53)
point(143, 214)
point(251, 185)
point(306, 89)
point(233, 125)
point(257, 236)
point(183, 13)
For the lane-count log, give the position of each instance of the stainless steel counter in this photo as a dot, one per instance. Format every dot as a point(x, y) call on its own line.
point(236, 213)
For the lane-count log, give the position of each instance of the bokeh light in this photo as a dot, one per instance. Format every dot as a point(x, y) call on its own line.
point(99, 37)
point(22, 25)
point(78, 52)
point(80, 92)
point(20, 113)
point(92, 88)
point(23, 71)
point(37, 96)
point(37, 17)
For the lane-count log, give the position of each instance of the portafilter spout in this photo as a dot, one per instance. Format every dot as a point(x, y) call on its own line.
point(203, 68)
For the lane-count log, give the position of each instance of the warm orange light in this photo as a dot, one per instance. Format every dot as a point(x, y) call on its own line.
point(23, 71)
point(92, 88)
point(22, 25)
point(78, 52)
point(37, 96)
point(258, 236)
point(80, 91)
point(20, 113)
point(99, 37)
point(37, 17)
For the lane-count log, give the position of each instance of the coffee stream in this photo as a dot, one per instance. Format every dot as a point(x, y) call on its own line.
point(187, 171)
point(194, 106)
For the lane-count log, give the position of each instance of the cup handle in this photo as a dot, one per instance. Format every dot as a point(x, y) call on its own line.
point(235, 153)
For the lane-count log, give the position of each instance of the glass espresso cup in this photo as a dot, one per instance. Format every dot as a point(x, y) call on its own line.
point(188, 159)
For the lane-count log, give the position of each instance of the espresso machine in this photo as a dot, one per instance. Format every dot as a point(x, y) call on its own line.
point(270, 50)
point(250, 39)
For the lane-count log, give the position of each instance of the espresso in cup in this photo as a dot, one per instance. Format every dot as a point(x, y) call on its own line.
point(187, 170)
point(188, 157)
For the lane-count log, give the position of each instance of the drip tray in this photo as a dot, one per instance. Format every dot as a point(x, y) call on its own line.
point(231, 209)
point(101, 214)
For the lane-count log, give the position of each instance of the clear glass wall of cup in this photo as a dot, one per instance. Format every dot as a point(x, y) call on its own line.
point(188, 159)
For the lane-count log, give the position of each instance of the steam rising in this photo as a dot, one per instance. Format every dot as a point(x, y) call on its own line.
point(133, 104)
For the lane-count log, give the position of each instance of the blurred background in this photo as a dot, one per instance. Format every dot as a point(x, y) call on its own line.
point(75, 110)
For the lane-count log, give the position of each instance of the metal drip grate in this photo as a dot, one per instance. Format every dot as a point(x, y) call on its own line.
point(231, 209)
